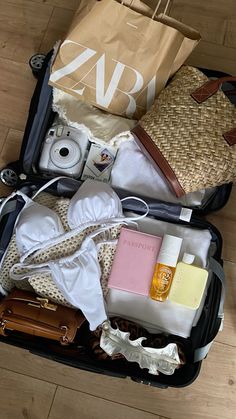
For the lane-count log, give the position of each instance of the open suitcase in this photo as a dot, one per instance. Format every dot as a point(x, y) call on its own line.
point(28, 181)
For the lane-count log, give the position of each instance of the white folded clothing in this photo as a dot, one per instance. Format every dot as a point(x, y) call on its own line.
point(134, 172)
point(152, 315)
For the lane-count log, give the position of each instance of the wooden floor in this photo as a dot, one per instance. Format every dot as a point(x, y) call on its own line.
point(36, 388)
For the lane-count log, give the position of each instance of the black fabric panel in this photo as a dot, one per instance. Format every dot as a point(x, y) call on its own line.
point(40, 115)
point(7, 225)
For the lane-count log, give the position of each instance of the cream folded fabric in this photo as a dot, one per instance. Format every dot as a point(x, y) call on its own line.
point(100, 126)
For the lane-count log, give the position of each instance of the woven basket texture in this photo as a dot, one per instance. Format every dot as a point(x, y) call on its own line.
point(190, 135)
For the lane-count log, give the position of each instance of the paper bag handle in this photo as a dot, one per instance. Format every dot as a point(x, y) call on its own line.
point(131, 2)
point(156, 8)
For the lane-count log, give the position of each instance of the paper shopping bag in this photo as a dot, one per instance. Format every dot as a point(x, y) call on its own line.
point(119, 58)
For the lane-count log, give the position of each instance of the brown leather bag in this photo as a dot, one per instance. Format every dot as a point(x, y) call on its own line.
point(28, 313)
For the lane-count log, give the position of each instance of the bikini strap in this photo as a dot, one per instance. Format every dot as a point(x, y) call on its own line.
point(51, 182)
point(135, 198)
point(29, 270)
point(4, 204)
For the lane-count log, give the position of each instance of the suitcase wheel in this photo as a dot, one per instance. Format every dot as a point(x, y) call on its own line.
point(9, 176)
point(36, 63)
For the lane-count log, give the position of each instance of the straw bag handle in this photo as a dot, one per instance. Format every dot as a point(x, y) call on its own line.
point(156, 8)
point(207, 90)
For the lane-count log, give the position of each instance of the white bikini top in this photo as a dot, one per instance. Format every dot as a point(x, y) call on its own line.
point(95, 203)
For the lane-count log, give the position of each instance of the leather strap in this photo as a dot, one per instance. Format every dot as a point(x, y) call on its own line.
point(155, 155)
point(15, 322)
point(230, 136)
point(21, 323)
point(207, 90)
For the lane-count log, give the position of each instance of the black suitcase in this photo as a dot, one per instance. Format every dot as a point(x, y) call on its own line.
point(28, 180)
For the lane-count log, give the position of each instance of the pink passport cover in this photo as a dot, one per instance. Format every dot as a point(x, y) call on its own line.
point(134, 262)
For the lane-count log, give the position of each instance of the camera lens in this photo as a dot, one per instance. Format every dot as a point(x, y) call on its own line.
point(64, 152)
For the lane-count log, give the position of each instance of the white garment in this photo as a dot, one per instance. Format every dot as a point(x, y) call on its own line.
point(132, 171)
point(195, 241)
point(77, 276)
point(95, 203)
point(163, 316)
point(155, 316)
point(36, 224)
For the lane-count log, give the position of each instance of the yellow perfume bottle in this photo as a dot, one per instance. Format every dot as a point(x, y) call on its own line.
point(165, 267)
point(189, 283)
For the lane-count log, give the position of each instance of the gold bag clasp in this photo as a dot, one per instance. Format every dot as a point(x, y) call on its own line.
point(43, 303)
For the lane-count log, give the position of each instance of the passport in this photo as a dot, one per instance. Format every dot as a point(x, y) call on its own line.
point(134, 262)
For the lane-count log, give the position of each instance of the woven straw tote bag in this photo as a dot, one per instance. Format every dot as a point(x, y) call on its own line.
point(190, 132)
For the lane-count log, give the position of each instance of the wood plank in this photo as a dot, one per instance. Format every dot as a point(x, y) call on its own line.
point(23, 397)
point(211, 396)
point(84, 406)
point(10, 153)
point(11, 148)
point(228, 233)
point(22, 28)
point(228, 335)
point(16, 88)
point(3, 134)
point(230, 36)
point(4, 190)
point(225, 220)
point(214, 57)
point(67, 4)
point(229, 210)
point(215, 8)
point(211, 28)
point(57, 28)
